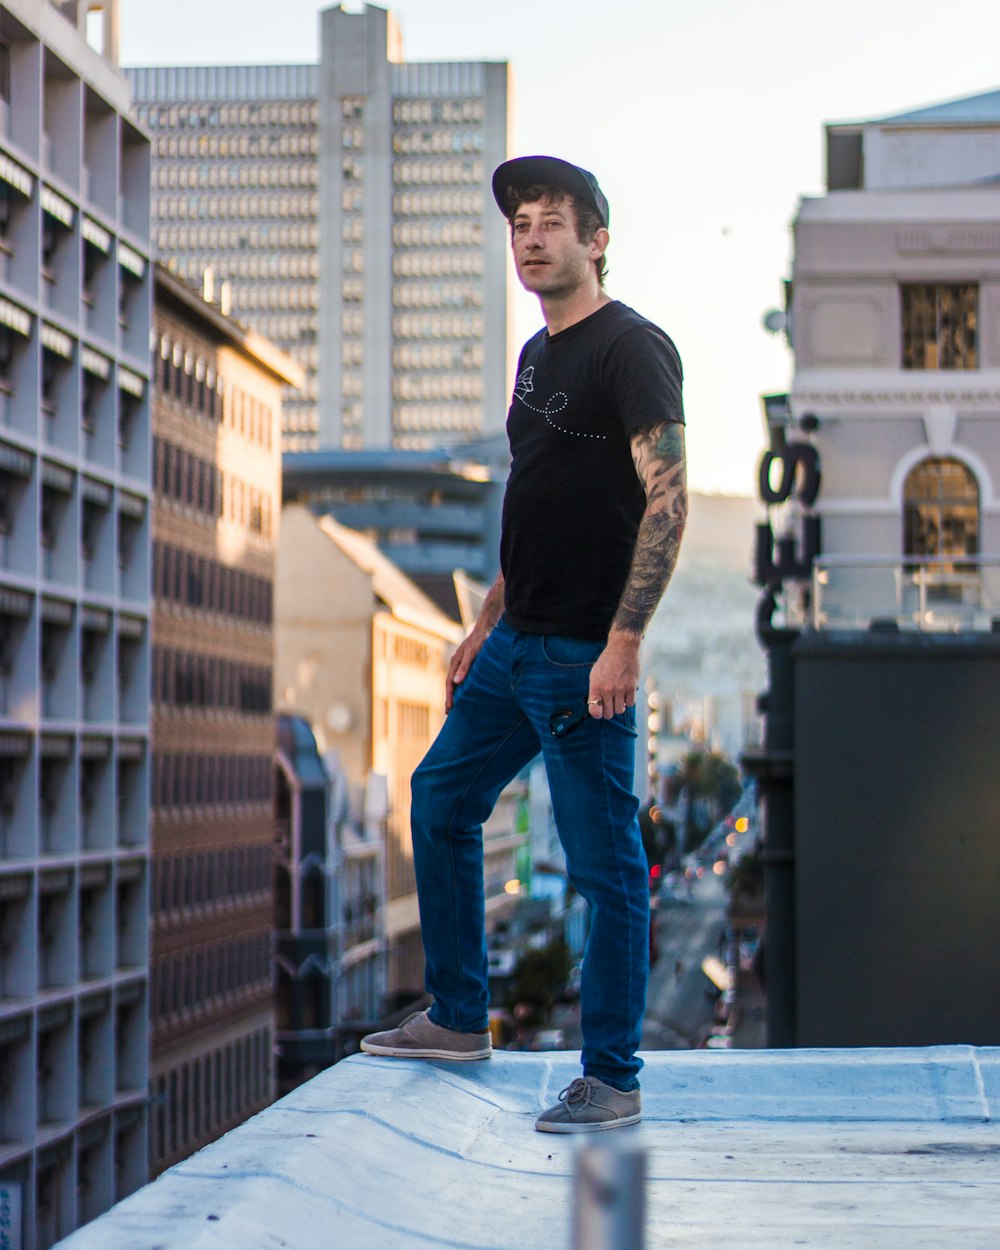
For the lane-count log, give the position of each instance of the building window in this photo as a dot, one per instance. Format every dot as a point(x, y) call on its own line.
point(941, 519)
point(939, 325)
point(941, 509)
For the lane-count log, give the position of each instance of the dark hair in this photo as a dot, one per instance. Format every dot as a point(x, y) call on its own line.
point(587, 219)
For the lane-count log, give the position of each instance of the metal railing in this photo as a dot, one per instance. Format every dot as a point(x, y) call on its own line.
point(936, 594)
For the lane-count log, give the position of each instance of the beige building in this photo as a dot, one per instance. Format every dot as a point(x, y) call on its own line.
point(217, 484)
point(362, 654)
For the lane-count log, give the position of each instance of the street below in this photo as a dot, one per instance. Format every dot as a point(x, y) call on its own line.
point(679, 1000)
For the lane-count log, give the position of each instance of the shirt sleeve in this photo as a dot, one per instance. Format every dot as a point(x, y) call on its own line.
point(644, 375)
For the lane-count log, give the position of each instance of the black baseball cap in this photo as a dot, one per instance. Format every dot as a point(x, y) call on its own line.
point(533, 171)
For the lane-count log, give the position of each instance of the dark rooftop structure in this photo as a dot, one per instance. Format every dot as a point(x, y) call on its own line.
point(431, 512)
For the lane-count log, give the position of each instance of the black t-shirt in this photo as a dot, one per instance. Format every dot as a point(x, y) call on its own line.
point(574, 501)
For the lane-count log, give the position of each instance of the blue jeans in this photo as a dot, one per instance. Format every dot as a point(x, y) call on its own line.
point(498, 723)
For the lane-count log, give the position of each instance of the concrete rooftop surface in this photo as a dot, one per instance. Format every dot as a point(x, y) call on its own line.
point(836, 1149)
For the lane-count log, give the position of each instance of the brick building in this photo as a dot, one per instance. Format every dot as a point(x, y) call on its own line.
point(217, 485)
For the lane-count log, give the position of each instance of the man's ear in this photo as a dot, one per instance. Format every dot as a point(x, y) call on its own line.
point(599, 243)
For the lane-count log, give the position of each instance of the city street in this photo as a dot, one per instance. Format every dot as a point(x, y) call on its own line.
point(678, 1013)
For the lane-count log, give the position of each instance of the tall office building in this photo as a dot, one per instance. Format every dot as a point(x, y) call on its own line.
point(236, 205)
point(413, 309)
point(74, 625)
point(347, 208)
point(217, 483)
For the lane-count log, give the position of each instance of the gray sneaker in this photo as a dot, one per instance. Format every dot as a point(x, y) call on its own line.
point(588, 1106)
point(418, 1037)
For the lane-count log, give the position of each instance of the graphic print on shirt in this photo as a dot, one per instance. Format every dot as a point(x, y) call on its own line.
point(525, 386)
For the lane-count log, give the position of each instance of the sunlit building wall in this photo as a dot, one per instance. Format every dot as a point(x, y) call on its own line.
point(217, 484)
point(362, 654)
point(75, 285)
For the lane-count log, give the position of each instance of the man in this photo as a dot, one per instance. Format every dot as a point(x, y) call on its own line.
point(592, 521)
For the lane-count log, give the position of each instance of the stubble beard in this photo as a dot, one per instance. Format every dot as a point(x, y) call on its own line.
point(551, 280)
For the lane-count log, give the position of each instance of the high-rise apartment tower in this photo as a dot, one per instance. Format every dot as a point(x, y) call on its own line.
point(346, 207)
point(74, 626)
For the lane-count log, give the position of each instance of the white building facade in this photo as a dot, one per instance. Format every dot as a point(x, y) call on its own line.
point(895, 318)
point(75, 301)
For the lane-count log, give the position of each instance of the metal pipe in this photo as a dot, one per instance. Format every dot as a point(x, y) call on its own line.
point(609, 1197)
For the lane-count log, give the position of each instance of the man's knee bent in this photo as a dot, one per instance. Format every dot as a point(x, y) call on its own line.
point(423, 800)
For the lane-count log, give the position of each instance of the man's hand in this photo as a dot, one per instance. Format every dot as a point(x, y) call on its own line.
point(467, 650)
point(460, 664)
point(614, 678)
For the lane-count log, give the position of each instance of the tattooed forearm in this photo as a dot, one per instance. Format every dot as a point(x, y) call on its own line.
point(653, 563)
point(659, 461)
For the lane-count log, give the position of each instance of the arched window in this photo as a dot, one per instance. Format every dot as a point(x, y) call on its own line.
point(941, 512)
point(940, 526)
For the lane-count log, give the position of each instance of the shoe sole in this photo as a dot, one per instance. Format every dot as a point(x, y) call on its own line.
point(399, 1052)
point(549, 1126)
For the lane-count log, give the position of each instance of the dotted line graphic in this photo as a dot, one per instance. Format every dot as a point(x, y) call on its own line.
point(556, 403)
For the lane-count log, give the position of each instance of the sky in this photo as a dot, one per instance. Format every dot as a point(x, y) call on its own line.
point(703, 121)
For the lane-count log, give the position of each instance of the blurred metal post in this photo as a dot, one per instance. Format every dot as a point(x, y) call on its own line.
point(609, 1197)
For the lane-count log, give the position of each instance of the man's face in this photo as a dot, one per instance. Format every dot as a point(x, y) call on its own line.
point(548, 255)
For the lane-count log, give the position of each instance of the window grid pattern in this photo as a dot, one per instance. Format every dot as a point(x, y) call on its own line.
point(939, 325)
point(217, 684)
point(941, 511)
point(186, 780)
point(352, 282)
point(236, 190)
point(74, 630)
point(208, 880)
point(438, 291)
point(193, 581)
point(201, 979)
point(194, 1102)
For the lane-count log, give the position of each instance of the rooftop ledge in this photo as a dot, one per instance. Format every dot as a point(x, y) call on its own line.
point(770, 1149)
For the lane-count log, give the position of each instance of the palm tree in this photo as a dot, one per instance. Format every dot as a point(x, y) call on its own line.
point(705, 784)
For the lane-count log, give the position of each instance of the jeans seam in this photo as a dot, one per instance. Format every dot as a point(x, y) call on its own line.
point(618, 867)
point(451, 825)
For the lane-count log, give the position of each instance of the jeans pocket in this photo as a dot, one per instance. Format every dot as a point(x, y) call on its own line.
point(566, 652)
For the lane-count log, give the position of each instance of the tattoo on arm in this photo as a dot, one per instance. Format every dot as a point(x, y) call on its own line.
point(659, 461)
